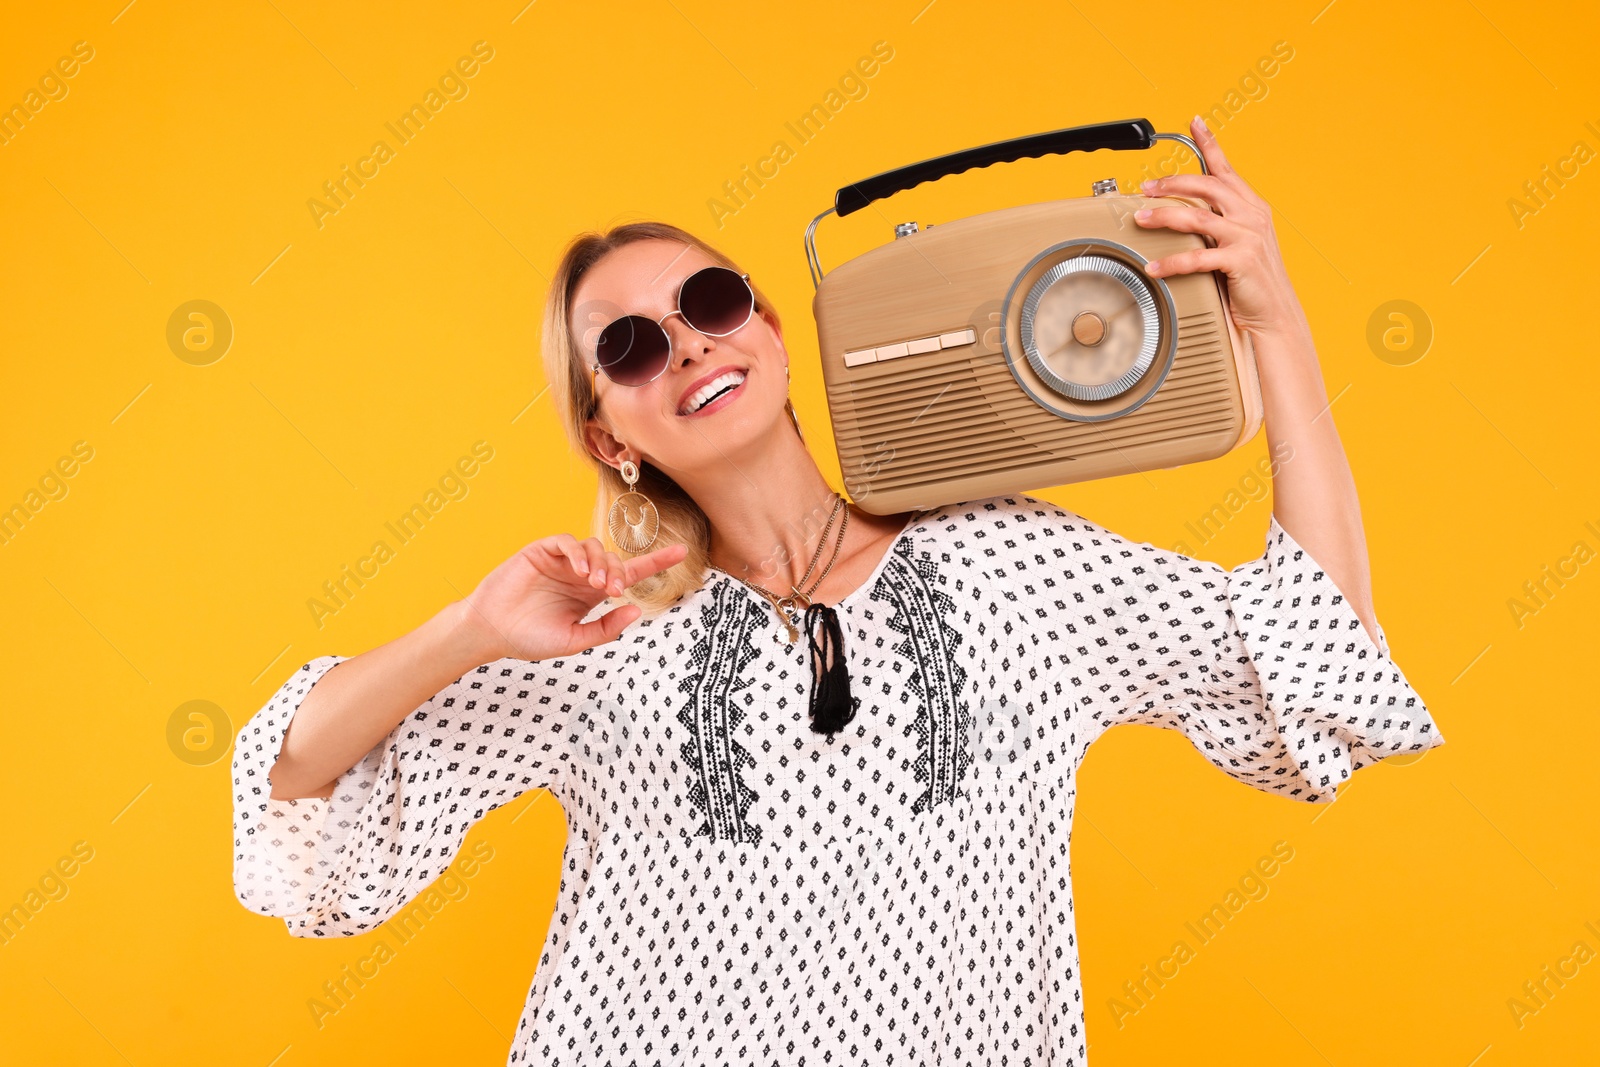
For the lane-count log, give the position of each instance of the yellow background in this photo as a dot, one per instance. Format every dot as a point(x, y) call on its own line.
point(370, 353)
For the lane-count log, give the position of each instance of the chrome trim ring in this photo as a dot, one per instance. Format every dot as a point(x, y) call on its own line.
point(1143, 298)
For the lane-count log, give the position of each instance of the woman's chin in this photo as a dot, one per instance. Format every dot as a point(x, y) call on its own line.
point(738, 422)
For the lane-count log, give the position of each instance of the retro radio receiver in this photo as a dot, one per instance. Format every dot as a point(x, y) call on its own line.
point(1025, 347)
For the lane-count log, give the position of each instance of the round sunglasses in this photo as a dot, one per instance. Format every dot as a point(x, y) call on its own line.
point(634, 350)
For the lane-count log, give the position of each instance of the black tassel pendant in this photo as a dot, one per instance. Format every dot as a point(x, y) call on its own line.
point(832, 706)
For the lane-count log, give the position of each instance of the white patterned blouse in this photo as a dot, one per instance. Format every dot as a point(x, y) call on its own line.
point(738, 888)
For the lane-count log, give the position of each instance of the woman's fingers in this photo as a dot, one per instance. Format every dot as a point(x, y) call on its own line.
point(606, 627)
point(1189, 262)
point(654, 562)
point(562, 545)
point(1193, 220)
point(607, 571)
point(1208, 187)
point(1217, 160)
point(595, 563)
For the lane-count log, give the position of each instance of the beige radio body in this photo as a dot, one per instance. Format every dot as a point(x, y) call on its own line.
point(930, 390)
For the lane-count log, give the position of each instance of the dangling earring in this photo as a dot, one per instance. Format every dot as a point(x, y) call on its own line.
point(633, 524)
point(790, 405)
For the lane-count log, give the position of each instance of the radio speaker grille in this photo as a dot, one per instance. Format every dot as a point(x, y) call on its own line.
point(939, 418)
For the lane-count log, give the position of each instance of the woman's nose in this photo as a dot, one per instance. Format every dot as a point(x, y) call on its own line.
point(686, 340)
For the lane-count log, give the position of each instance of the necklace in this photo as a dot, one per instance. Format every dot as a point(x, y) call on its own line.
point(838, 502)
point(787, 605)
point(832, 706)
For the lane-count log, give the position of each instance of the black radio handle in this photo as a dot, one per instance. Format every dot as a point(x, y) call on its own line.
point(1125, 135)
point(1128, 134)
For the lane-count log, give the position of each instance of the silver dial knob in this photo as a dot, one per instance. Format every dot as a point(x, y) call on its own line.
point(1090, 328)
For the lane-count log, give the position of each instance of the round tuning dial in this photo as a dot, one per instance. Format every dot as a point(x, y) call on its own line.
point(1090, 328)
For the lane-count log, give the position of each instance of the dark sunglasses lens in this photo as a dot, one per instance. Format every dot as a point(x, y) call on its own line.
point(632, 350)
point(716, 301)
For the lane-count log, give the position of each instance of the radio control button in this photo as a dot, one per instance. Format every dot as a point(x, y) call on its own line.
point(1088, 328)
point(957, 338)
point(923, 344)
point(893, 351)
point(860, 356)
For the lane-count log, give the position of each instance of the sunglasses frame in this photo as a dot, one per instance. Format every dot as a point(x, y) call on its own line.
point(595, 368)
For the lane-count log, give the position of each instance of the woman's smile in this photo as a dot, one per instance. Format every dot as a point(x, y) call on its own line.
point(715, 394)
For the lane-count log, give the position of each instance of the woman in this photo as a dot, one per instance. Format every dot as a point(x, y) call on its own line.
point(833, 829)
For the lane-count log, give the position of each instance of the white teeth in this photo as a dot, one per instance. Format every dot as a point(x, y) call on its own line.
point(711, 388)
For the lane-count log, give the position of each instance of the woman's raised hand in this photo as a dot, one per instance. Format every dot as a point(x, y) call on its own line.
point(529, 607)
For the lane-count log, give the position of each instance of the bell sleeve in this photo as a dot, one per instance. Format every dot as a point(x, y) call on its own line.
point(1265, 667)
point(343, 865)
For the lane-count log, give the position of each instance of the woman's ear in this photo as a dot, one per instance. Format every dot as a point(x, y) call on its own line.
point(776, 327)
point(602, 445)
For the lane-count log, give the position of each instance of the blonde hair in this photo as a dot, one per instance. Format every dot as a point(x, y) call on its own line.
point(682, 520)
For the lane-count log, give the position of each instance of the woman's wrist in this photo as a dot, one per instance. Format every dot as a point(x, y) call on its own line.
point(465, 638)
point(1289, 327)
point(1286, 353)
